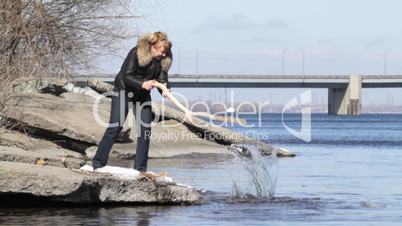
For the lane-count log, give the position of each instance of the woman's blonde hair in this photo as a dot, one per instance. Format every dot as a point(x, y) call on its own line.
point(160, 37)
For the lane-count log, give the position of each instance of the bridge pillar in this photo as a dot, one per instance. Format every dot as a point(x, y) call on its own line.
point(347, 100)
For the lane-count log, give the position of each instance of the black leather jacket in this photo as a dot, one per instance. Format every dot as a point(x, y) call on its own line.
point(132, 75)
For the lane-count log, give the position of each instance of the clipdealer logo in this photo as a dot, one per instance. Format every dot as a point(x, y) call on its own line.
point(301, 101)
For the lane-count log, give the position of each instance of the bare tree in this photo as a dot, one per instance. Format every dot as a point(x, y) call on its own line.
point(57, 37)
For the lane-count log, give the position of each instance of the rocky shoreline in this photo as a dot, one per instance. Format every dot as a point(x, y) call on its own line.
point(39, 183)
point(49, 132)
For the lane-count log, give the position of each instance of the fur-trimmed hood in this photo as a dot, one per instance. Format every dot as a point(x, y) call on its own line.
point(145, 56)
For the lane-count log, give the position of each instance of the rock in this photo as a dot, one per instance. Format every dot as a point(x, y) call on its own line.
point(199, 127)
point(99, 86)
point(22, 183)
point(70, 117)
point(67, 118)
point(19, 147)
point(215, 133)
point(168, 139)
point(87, 91)
point(44, 85)
point(41, 157)
point(285, 152)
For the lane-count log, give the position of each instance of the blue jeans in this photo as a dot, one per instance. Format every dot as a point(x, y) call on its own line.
point(143, 130)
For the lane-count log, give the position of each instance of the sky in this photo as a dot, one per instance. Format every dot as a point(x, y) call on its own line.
point(276, 37)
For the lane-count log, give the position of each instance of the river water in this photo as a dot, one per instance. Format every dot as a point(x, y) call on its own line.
point(349, 174)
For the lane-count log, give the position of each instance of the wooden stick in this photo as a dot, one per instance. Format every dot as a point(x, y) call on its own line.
point(189, 114)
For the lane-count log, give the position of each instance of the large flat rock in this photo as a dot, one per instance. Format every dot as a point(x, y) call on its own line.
point(168, 139)
point(217, 134)
point(19, 147)
point(22, 182)
point(67, 116)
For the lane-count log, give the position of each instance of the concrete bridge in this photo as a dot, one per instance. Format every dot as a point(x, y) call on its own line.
point(344, 92)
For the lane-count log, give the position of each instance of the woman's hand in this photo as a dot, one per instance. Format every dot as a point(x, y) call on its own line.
point(165, 90)
point(148, 85)
point(165, 93)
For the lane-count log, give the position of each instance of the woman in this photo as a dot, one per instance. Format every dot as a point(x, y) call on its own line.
point(146, 63)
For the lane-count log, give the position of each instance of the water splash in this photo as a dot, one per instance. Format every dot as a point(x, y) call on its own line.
point(262, 172)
